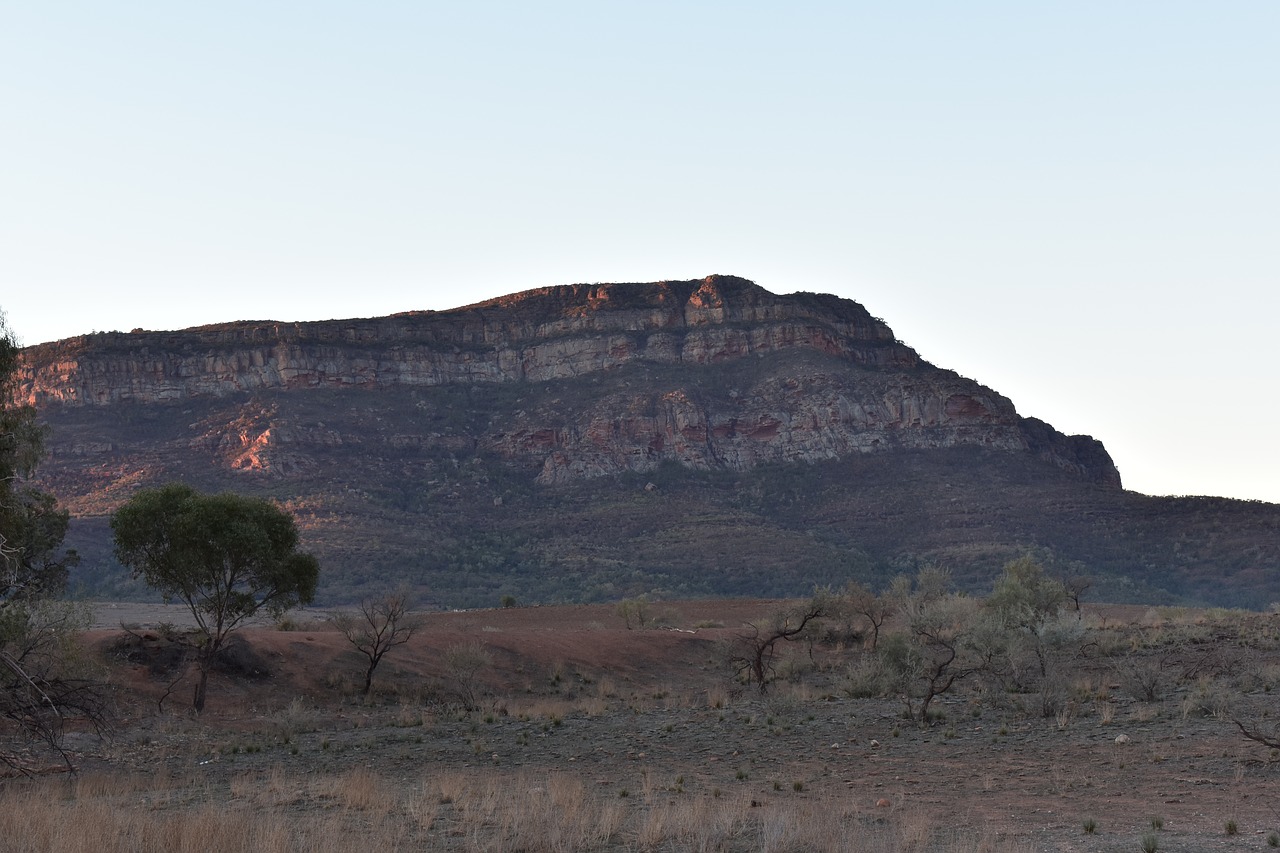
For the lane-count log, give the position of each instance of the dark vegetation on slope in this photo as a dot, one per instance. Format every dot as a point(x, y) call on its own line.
point(470, 529)
point(445, 486)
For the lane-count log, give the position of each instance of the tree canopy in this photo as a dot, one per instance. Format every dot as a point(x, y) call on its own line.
point(21, 437)
point(23, 550)
point(225, 556)
point(39, 684)
point(31, 526)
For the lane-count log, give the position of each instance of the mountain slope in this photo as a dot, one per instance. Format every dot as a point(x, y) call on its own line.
point(591, 441)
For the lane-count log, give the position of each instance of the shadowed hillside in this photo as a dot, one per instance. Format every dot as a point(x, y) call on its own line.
point(593, 442)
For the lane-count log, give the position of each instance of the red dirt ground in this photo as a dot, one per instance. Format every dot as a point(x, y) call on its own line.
point(663, 702)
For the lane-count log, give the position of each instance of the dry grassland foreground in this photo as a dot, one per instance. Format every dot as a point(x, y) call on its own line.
point(580, 734)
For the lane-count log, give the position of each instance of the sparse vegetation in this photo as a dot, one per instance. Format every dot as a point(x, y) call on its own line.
point(274, 809)
point(754, 652)
point(464, 663)
point(376, 504)
point(666, 752)
point(634, 612)
point(382, 624)
point(941, 642)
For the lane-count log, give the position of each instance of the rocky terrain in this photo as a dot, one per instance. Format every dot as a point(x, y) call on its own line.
point(588, 442)
point(870, 391)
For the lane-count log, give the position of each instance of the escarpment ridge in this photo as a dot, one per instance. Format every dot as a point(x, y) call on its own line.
point(537, 335)
point(871, 392)
point(586, 442)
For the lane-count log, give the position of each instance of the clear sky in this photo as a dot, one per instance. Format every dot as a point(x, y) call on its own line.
point(1075, 203)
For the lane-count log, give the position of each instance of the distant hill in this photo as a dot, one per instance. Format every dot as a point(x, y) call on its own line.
point(590, 442)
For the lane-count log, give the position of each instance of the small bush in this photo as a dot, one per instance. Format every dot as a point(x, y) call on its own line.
point(868, 679)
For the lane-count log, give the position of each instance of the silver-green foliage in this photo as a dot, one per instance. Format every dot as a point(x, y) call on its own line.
point(942, 641)
point(226, 557)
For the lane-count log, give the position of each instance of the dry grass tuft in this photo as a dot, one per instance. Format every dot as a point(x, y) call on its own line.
point(281, 812)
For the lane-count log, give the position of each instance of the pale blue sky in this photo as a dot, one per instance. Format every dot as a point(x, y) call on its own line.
point(1077, 204)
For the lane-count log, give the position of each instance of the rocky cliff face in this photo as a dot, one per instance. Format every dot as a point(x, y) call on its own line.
point(716, 373)
point(538, 335)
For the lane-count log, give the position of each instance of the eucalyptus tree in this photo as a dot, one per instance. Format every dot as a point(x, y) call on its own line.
point(225, 556)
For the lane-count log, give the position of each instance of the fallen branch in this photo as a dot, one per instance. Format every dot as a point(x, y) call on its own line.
point(1272, 741)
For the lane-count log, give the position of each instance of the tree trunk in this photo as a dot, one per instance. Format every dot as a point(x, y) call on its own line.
point(197, 701)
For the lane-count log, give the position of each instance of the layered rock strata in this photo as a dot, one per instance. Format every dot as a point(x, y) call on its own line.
point(828, 380)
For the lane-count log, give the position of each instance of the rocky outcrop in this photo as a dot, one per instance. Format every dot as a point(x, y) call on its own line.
point(716, 373)
point(553, 333)
point(792, 417)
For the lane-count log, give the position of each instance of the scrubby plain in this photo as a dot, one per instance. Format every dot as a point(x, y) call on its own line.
point(569, 730)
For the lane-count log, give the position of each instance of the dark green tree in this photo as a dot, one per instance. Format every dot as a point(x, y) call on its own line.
point(224, 556)
point(21, 448)
point(32, 528)
point(21, 437)
point(40, 687)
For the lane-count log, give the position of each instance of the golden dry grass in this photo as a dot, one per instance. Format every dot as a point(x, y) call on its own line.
point(279, 812)
point(581, 746)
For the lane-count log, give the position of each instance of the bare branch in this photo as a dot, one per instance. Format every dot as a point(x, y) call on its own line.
point(383, 624)
point(1271, 741)
point(760, 646)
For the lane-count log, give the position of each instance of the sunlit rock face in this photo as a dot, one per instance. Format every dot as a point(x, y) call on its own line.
point(711, 373)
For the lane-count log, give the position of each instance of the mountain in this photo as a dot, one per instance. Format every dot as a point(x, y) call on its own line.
point(588, 442)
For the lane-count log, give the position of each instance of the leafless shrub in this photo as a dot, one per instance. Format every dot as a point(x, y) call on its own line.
point(381, 625)
point(856, 615)
point(46, 682)
point(1146, 677)
point(464, 662)
point(754, 654)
